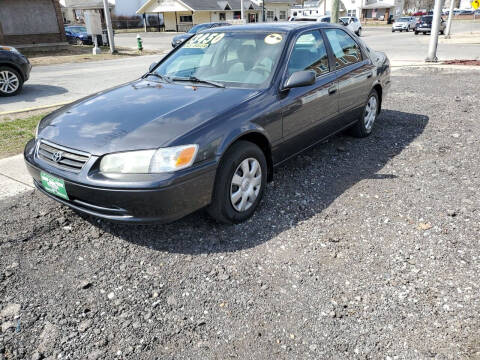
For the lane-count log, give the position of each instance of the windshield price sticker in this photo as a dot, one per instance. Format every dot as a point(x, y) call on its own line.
point(204, 40)
point(273, 39)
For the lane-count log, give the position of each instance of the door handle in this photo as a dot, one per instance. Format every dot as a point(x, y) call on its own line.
point(332, 90)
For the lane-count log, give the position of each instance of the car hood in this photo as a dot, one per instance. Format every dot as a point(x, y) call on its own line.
point(138, 115)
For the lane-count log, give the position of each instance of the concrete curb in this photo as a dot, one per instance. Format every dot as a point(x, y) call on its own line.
point(14, 177)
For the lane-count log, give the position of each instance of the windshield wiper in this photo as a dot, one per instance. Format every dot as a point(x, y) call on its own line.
point(162, 77)
point(197, 80)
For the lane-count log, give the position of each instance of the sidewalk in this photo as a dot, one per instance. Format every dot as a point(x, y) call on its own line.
point(14, 177)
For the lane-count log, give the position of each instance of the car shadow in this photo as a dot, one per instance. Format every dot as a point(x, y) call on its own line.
point(30, 93)
point(303, 187)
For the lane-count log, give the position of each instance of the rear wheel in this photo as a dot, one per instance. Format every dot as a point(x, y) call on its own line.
point(10, 81)
point(239, 184)
point(364, 125)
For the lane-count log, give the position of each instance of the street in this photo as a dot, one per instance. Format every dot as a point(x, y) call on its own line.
point(56, 84)
point(362, 249)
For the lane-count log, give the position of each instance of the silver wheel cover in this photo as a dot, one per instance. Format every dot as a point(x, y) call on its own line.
point(245, 185)
point(370, 113)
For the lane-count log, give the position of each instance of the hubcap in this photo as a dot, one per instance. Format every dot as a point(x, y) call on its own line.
point(8, 82)
point(246, 183)
point(370, 113)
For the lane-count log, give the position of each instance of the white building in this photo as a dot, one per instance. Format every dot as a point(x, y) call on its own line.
point(181, 15)
point(362, 9)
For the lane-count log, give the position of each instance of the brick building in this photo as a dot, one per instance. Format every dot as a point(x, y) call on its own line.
point(31, 22)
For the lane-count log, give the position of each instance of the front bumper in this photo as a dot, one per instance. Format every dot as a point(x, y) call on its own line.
point(423, 29)
point(171, 199)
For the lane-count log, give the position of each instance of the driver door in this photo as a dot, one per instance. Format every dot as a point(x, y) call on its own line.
point(308, 109)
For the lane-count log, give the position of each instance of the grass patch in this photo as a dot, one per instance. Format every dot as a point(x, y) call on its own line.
point(14, 134)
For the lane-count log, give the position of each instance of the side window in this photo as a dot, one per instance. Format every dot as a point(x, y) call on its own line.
point(345, 49)
point(309, 53)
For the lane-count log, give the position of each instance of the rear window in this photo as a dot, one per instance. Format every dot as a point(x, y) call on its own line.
point(427, 19)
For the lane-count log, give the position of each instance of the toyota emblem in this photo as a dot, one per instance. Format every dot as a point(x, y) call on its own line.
point(57, 156)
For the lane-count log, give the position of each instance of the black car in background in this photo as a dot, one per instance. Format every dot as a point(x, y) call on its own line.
point(14, 70)
point(177, 40)
point(424, 25)
point(208, 123)
point(77, 34)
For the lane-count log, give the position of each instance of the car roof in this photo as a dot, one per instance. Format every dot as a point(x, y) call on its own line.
point(287, 26)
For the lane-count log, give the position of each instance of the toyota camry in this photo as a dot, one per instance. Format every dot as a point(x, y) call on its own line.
point(207, 125)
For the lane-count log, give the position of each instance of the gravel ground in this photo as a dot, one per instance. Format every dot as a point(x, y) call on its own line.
point(362, 249)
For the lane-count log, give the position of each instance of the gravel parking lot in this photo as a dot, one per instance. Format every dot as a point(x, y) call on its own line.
point(362, 249)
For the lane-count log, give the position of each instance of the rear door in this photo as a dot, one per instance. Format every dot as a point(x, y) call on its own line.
point(307, 109)
point(354, 72)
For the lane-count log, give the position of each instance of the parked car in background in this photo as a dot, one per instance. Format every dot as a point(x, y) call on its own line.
point(352, 23)
point(466, 12)
point(77, 34)
point(179, 39)
point(208, 123)
point(425, 25)
point(419, 13)
point(405, 23)
point(311, 18)
point(14, 70)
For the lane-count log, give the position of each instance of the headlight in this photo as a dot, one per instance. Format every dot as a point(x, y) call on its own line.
point(150, 161)
point(10, 48)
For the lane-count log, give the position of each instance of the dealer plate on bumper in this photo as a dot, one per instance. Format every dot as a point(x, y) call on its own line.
point(54, 185)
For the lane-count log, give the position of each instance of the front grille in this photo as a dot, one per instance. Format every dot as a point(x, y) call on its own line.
point(62, 157)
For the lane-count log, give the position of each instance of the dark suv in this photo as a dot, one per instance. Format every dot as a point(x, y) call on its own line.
point(424, 25)
point(14, 70)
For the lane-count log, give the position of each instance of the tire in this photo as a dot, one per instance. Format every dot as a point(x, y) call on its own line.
point(365, 124)
point(442, 32)
point(393, 30)
point(416, 32)
point(226, 204)
point(11, 82)
point(359, 32)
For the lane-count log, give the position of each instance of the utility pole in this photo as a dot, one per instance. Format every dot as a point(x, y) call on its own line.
point(106, 10)
point(335, 9)
point(432, 47)
point(242, 16)
point(263, 10)
point(450, 16)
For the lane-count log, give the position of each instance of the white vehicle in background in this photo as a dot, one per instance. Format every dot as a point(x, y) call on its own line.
point(352, 23)
point(311, 18)
point(405, 23)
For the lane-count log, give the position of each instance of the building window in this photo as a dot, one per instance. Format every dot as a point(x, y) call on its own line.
point(283, 15)
point(270, 15)
point(351, 12)
point(222, 16)
point(237, 15)
point(186, 18)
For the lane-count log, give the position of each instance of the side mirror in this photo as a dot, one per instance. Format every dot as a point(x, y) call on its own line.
point(152, 66)
point(300, 78)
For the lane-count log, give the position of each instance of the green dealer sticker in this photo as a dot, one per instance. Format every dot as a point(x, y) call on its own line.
point(54, 185)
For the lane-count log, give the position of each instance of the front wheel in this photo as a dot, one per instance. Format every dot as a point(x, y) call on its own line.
point(11, 81)
point(416, 32)
point(239, 184)
point(364, 125)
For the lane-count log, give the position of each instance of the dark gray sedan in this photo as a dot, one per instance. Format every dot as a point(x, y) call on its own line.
point(206, 126)
point(177, 40)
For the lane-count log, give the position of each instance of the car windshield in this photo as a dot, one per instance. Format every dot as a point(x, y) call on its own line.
point(77, 29)
point(198, 28)
point(344, 20)
point(403, 19)
point(305, 19)
point(233, 59)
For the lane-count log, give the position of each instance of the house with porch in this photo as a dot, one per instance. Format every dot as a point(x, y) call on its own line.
point(181, 15)
point(362, 9)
